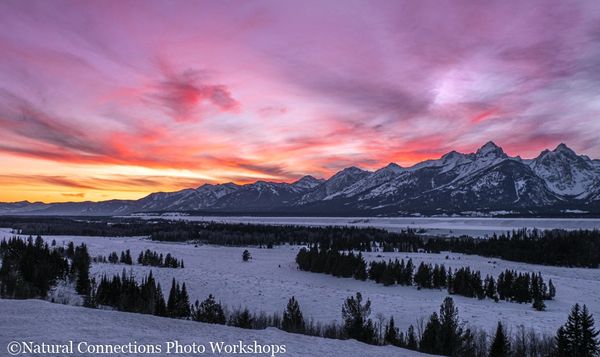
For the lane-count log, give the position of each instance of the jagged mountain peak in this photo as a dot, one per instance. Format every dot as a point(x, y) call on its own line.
point(351, 170)
point(565, 172)
point(392, 167)
point(452, 156)
point(490, 149)
point(307, 182)
point(562, 147)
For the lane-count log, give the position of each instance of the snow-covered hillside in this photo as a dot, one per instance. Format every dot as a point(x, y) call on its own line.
point(40, 321)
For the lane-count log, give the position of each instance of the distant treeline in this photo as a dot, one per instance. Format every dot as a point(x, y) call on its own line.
point(334, 237)
point(92, 226)
point(509, 286)
point(579, 248)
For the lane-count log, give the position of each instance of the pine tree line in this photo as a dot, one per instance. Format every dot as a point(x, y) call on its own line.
point(509, 286)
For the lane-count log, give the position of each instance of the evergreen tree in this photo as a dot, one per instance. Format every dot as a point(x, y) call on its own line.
point(242, 319)
point(388, 277)
point(589, 344)
point(81, 267)
point(562, 345)
point(430, 341)
point(451, 334)
point(183, 303)
point(246, 255)
point(360, 272)
point(160, 309)
point(411, 338)
point(391, 335)
point(551, 290)
point(500, 344)
point(578, 336)
point(173, 301)
point(355, 315)
point(292, 320)
point(208, 311)
point(539, 304)
point(70, 250)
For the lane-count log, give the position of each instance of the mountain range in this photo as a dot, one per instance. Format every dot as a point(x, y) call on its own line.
point(487, 182)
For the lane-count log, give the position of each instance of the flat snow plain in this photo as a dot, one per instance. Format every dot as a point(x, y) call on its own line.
point(271, 278)
point(443, 226)
point(40, 321)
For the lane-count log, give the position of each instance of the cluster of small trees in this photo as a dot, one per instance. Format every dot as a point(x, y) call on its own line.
point(29, 269)
point(345, 265)
point(147, 258)
point(510, 285)
point(521, 288)
point(124, 258)
point(155, 259)
point(125, 294)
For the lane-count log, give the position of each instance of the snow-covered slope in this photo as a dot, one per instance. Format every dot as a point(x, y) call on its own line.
point(41, 321)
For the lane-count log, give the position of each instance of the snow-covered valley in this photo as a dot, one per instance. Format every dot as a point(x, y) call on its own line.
point(271, 278)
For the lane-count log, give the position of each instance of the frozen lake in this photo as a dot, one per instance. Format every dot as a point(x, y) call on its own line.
point(445, 226)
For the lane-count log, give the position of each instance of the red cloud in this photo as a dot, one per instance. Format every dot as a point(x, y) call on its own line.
point(186, 97)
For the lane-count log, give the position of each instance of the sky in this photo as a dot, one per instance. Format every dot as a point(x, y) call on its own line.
point(117, 99)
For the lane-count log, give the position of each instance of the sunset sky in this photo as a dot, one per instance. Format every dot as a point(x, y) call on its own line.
point(117, 99)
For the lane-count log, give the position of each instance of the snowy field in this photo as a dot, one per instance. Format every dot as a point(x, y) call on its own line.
point(444, 226)
point(41, 321)
point(271, 278)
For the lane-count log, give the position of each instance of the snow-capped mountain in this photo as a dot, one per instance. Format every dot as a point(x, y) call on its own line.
point(264, 195)
point(336, 183)
point(487, 180)
point(565, 172)
point(189, 199)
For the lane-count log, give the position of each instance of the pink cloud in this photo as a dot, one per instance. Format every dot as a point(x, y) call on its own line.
point(273, 89)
